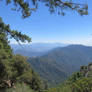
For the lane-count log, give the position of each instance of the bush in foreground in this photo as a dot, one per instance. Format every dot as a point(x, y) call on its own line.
point(20, 88)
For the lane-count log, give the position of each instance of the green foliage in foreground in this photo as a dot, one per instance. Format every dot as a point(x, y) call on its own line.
point(64, 88)
point(83, 85)
point(76, 76)
point(20, 88)
point(76, 83)
point(14, 68)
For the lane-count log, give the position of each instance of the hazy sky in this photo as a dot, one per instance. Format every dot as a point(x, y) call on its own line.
point(45, 27)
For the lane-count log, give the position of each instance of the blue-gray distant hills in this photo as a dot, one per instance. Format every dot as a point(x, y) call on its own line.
point(56, 65)
point(35, 49)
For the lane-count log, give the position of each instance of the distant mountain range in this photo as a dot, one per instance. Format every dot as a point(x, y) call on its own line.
point(35, 49)
point(56, 65)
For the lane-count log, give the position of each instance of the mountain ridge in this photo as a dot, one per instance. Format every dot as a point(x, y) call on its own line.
point(35, 49)
point(63, 61)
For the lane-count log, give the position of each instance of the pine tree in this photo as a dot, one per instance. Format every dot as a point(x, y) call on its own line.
point(14, 68)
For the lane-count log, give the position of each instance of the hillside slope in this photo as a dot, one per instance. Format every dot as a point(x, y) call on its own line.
point(61, 62)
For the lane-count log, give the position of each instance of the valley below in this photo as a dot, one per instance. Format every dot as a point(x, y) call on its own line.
point(59, 62)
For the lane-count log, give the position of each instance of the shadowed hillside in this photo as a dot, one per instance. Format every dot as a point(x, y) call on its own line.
point(61, 62)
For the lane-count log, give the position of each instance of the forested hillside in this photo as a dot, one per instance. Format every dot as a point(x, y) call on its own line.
point(79, 81)
point(14, 69)
point(61, 62)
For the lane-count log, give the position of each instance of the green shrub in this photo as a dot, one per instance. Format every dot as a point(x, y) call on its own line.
point(20, 88)
point(63, 88)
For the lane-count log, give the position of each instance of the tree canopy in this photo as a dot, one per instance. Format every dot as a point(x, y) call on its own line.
point(59, 6)
point(14, 68)
point(18, 36)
